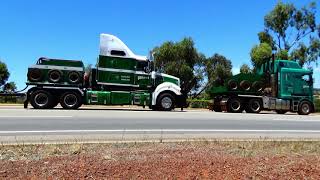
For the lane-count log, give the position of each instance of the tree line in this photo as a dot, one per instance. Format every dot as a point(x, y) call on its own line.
point(4, 76)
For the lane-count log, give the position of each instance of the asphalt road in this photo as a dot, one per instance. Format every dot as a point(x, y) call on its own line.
point(88, 124)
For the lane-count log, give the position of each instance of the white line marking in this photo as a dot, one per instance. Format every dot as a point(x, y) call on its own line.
point(296, 120)
point(36, 117)
point(165, 130)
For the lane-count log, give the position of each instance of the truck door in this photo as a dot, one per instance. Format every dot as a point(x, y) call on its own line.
point(286, 83)
point(142, 75)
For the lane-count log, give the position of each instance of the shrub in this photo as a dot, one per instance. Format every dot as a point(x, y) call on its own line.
point(198, 103)
point(317, 104)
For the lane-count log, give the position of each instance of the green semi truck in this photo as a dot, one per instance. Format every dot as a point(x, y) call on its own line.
point(120, 77)
point(278, 85)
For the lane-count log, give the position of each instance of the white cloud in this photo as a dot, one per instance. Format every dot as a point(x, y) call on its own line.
point(235, 70)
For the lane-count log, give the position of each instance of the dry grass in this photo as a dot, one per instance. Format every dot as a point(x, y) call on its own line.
point(239, 148)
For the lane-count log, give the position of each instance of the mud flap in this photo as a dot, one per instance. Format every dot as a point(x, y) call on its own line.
point(223, 103)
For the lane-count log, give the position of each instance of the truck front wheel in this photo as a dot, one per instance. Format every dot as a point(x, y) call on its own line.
point(305, 108)
point(41, 99)
point(166, 102)
point(71, 100)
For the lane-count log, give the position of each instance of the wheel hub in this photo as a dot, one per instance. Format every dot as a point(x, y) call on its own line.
point(166, 102)
point(305, 108)
point(235, 105)
point(41, 99)
point(54, 76)
point(255, 106)
point(70, 100)
point(73, 77)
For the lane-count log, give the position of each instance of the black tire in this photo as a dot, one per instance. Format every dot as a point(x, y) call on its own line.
point(41, 99)
point(281, 111)
point(254, 106)
point(232, 85)
point(71, 100)
point(305, 108)
point(257, 86)
point(54, 76)
point(217, 108)
point(165, 102)
point(245, 85)
point(34, 75)
point(74, 77)
point(234, 105)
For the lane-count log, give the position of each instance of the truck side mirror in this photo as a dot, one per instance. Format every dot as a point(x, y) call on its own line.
point(147, 68)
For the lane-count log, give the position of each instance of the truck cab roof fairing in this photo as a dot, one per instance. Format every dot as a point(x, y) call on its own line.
point(110, 43)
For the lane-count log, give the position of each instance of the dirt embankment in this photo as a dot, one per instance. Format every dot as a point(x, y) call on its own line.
point(190, 160)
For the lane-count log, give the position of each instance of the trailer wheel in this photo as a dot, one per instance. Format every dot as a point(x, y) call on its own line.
point(74, 77)
point(234, 105)
point(34, 75)
point(305, 108)
point(54, 76)
point(41, 99)
point(245, 85)
point(257, 85)
point(71, 100)
point(166, 102)
point(254, 106)
point(232, 84)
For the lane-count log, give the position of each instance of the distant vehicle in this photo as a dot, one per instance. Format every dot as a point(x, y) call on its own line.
point(279, 85)
point(119, 78)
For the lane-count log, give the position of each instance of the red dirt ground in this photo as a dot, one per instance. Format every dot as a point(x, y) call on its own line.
point(163, 161)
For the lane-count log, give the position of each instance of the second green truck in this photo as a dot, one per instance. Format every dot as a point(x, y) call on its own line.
point(279, 85)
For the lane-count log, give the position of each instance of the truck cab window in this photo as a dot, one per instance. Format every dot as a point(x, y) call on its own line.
point(117, 53)
point(141, 65)
point(307, 78)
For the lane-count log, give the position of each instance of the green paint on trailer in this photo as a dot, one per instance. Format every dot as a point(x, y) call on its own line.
point(118, 98)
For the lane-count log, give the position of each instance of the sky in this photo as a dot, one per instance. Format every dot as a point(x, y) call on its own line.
point(69, 29)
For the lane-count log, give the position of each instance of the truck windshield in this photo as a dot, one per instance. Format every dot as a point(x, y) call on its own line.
point(144, 66)
point(307, 78)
